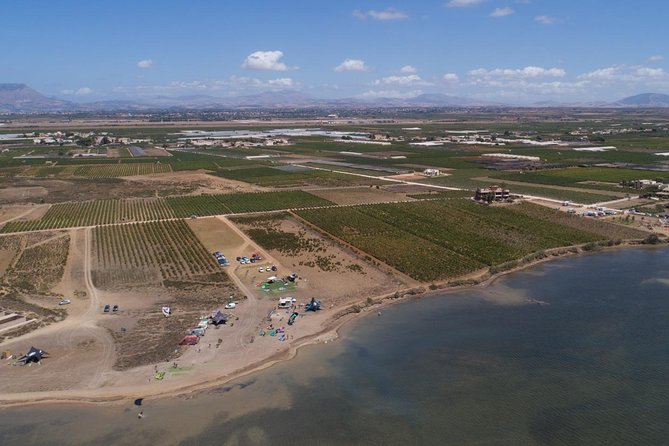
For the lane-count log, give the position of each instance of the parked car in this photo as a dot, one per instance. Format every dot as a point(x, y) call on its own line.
point(115, 308)
point(64, 302)
point(199, 331)
point(106, 308)
point(230, 305)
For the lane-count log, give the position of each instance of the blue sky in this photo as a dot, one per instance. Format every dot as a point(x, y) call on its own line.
point(513, 51)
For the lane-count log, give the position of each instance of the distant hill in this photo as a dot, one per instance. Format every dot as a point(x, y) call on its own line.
point(20, 98)
point(444, 100)
point(645, 100)
point(274, 99)
point(282, 98)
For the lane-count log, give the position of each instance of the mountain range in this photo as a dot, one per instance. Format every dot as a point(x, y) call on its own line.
point(20, 98)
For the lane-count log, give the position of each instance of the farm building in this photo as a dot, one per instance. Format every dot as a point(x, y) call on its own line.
point(431, 172)
point(492, 193)
point(640, 184)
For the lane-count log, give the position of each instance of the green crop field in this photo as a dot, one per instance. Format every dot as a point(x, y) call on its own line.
point(100, 212)
point(98, 170)
point(602, 228)
point(202, 205)
point(141, 253)
point(103, 212)
point(440, 239)
point(442, 194)
point(573, 176)
point(121, 170)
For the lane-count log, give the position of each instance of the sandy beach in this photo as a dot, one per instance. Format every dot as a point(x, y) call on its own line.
point(93, 379)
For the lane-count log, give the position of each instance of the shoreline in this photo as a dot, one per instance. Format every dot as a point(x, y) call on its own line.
point(329, 331)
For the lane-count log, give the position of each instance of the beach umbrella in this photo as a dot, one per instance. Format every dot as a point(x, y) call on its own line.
point(138, 401)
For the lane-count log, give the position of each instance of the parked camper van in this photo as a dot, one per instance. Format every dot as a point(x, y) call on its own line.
point(286, 302)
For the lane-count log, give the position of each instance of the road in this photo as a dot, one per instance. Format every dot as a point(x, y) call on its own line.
point(82, 326)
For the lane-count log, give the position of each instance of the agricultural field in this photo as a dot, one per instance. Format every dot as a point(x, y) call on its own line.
point(95, 171)
point(266, 231)
point(203, 205)
point(574, 176)
point(30, 266)
point(410, 254)
point(599, 227)
point(89, 213)
point(49, 171)
point(33, 263)
point(348, 169)
point(471, 179)
point(271, 177)
point(331, 269)
point(182, 160)
point(561, 193)
point(442, 239)
point(104, 212)
point(146, 253)
point(441, 194)
point(121, 170)
point(359, 195)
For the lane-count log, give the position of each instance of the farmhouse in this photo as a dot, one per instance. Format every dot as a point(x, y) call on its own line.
point(492, 193)
point(431, 172)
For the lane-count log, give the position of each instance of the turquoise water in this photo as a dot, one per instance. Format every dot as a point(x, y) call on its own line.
point(586, 362)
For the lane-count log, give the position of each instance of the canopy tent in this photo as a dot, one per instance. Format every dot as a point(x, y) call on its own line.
point(219, 318)
point(34, 355)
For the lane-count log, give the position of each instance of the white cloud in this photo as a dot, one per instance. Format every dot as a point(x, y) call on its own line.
point(463, 3)
point(522, 73)
point(626, 73)
point(411, 79)
point(650, 72)
point(352, 65)
point(608, 73)
point(83, 91)
point(502, 12)
point(451, 77)
point(145, 63)
point(265, 61)
point(656, 58)
point(545, 19)
point(245, 82)
point(408, 69)
point(284, 82)
point(394, 94)
point(386, 15)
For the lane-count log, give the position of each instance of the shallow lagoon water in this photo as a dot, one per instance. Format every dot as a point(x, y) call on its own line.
point(585, 362)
